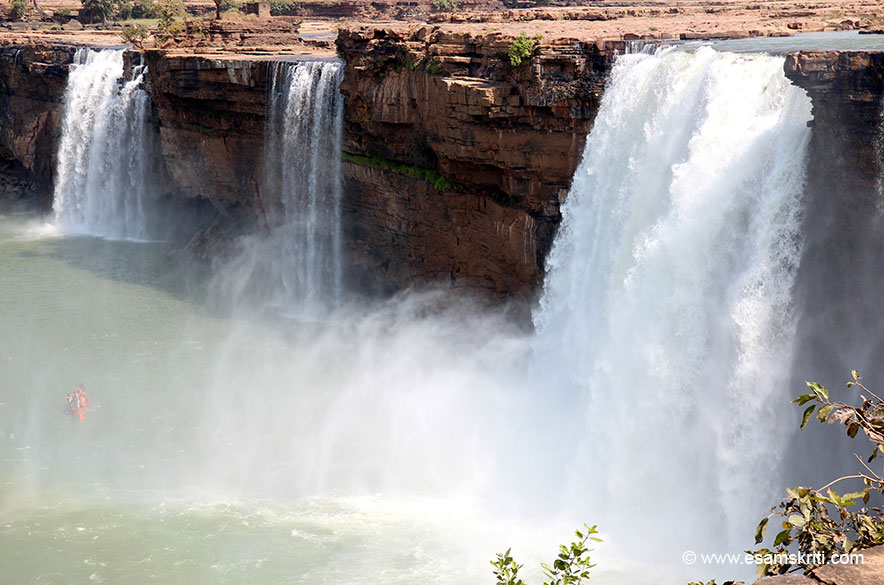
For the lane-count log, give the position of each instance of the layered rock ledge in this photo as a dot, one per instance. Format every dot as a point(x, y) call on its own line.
point(843, 230)
point(455, 161)
point(32, 84)
point(499, 145)
point(508, 139)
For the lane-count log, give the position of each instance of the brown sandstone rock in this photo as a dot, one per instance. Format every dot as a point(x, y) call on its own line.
point(843, 239)
point(211, 115)
point(787, 580)
point(510, 136)
point(32, 84)
point(401, 231)
point(869, 571)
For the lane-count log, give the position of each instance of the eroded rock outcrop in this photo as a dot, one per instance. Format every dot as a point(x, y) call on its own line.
point(508, 138)
point(405, 231)
point(211, 116)
point(32, 84)
point(501, 144)
point(845, 88)
point(502, 141)
point(843, 228)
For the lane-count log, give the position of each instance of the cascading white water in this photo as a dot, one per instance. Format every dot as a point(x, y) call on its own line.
point(101, 185)
point(303, 179)
point(668, 297)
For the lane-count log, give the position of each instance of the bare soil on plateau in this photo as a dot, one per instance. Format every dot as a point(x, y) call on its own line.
point(599, 20)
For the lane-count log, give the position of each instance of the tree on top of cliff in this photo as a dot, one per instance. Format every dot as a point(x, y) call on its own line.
point(169, 11)
point(19, 7)
point(222, 6)
point(135, 35)
point(446, 5)
point(96, 10)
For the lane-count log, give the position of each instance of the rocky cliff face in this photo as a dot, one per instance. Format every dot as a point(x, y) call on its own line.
point(846, 90)
point(32, 84)
point(844, 224)
point(456, 162)
point(211, 115)
point(403, 232)
point(506, 139)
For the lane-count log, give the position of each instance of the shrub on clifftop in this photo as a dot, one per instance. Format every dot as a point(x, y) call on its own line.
point(135, 35)
point(169, 11)
point(18, 9)
point(97, 10)
point(446, 5)
point(143, 9)
point(522, 49)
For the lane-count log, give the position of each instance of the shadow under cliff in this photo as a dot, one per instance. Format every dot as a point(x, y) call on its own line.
point(840, 286)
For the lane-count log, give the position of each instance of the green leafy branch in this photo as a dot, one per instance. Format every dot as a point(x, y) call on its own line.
point(820, 521)
point(571, 567)
point(522, 49)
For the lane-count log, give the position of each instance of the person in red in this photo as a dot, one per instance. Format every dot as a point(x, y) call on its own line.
point(80, 402)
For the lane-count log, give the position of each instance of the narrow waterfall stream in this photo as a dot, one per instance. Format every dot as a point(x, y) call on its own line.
point(102, 184)
point(303, 174)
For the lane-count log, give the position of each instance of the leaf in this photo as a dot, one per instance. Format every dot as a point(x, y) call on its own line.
point(807, 414)
point(762, 570)
point(824, 412)
point(818, 389)
point(796, 520)
point(863, 495)
point(759, 531)
point(838, 500)
point(783, 537)
point(855, 375)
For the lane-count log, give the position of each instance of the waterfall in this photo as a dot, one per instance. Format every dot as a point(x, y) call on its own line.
point(303, 179)
point(668, 301)
point(101, 185)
